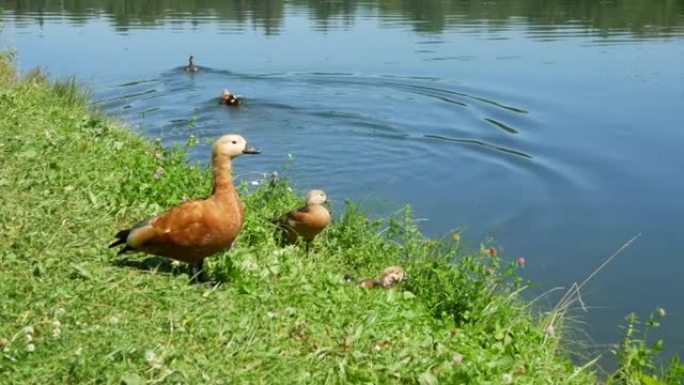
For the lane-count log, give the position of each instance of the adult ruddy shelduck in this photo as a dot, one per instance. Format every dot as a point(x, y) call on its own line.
point(305, 222)
point(230, 99)
point(198, 228)
point(191, 67)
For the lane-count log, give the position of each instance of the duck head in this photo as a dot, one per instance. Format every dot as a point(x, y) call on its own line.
point(316, 197)
point(230, 99)
point(232, 146)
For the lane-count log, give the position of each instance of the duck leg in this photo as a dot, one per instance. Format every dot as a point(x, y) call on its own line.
point(197, 272)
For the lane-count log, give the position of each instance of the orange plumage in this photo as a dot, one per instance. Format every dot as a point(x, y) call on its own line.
point(305, 222)
point(199, 228)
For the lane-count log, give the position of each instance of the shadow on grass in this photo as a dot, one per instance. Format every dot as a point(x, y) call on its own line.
point(158, 264)
point(163, 265)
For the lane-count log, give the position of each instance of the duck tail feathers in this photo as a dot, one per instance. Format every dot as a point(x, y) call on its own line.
point(121, 237)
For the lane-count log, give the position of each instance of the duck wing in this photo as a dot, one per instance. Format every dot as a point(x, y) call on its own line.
point(184, 225)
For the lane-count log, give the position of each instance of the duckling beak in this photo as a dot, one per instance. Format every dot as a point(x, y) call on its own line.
point(251, 150)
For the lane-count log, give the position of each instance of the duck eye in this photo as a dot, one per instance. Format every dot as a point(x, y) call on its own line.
point(234, 142)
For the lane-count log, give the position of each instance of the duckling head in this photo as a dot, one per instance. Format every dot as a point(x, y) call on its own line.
point(316, 197)
point(230, 99)
point(391, 276)
point(232, 146)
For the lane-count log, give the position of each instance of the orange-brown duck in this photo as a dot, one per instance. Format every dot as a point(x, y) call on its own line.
point(230, 99)
point(305, 222)
point(198, 228)
point(191, 67)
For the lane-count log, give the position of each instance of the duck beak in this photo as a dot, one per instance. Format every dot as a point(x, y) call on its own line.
point(251, 150)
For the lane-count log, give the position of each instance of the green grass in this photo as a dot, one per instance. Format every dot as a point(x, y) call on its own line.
point(72, 312)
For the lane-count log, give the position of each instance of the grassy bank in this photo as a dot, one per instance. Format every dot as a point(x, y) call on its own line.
point(73, 312)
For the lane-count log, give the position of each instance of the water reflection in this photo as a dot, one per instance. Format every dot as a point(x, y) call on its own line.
point(644, 18)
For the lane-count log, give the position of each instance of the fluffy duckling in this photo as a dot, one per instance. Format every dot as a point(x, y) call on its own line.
point(307, 221)
point(368, 283)
point(230, 99)
point(191, 67)
point(391, 276)
point(198, 228)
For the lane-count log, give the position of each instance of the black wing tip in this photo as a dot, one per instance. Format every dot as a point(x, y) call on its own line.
point(117, 243)
point(121, 237)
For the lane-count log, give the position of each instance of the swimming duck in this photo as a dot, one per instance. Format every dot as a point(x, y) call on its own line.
point(198, 228)
point(307, 221)
point(230, 99)
point(191, 67)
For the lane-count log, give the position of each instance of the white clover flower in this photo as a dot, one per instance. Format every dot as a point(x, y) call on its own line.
point(59, 312)
point(152, 359)
point(458, 358)
point(158, 172)
point(507, 378)
point(28, 330)
point(114, 320)
point(30, 348)
point(550, 330)
point(271, 314)
point(150, 356)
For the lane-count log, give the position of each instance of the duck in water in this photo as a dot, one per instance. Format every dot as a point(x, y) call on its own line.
point(191, 67)
point(230, 99)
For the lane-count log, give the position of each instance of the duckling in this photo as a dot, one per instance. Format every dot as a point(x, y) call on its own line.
point(230, 99)
point(391, 276)
point(191, 67)
point(198, 228)
point(307, 221)
point(368, 283)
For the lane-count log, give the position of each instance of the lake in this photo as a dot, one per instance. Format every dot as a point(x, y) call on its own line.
point(553, 127)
